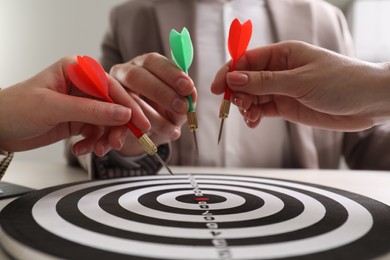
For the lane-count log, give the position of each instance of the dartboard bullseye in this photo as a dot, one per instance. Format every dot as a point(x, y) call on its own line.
point(194, 217)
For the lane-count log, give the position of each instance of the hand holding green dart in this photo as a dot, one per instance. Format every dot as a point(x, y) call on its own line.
point(183, 54)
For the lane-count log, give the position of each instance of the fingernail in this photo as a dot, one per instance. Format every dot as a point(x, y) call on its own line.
point(106, 149)
point(81, 150)
point(120, 113)
point(118, 144)
point(180, 105)
point(182, 85)
point(237, 102)
point(247, 114)
point(176, 134)
point(103, 150)
point(237, 78)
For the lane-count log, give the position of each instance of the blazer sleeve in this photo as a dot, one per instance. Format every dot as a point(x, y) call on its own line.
point(133, 30)
point(368, 150)
point(113, 165)
point(110, 50)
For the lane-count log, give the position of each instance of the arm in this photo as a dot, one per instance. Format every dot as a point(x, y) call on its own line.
point(52, 110)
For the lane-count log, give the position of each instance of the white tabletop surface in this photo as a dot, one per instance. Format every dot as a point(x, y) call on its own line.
point(373, 184)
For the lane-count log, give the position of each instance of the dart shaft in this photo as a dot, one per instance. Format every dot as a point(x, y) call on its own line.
point(228, 93)
point(135, 130)
point(191, 107)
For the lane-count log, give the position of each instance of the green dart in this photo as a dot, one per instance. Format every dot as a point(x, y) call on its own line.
point(183, 54)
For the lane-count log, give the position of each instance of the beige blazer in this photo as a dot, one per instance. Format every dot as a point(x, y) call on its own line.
point(141, 26)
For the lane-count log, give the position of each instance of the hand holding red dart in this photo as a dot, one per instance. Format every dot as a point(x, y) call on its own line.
point(90, 77)
point(238, 40)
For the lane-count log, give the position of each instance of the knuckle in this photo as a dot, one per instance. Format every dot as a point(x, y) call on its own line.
point(132, 74)
point(150, 59)
point(126, 73)
point(93, 109)
point(263, 79)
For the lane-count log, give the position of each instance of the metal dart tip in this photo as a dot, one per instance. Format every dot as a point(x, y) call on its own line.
point(196, 142)
point(220, 130)
point(163, 163)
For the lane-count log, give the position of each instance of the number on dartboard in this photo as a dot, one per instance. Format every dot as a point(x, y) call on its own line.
point(216, 233)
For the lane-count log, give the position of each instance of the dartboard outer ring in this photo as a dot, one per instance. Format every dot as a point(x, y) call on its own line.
point(194, 216)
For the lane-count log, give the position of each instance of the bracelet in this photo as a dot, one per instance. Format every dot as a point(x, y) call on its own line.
point(4, 163)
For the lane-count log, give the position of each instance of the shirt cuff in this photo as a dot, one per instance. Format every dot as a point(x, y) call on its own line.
point(113, 165)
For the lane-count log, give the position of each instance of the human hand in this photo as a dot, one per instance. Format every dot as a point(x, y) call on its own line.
point(47, 108)
point(160, 88)
point(306, 84)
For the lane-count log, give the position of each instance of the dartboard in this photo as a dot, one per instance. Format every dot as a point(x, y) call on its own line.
point(195, 216)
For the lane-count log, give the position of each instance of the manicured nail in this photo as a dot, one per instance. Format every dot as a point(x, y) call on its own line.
point(237, 102)
point(106, 149)
point(81, 150)
point(236, 78)
point(176, 134)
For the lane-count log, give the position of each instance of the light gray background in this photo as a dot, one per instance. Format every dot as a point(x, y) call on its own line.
point(36, 33)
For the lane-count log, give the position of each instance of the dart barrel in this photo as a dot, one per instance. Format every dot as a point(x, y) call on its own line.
point(192, 120)
point(147, 144)
point(224, 109)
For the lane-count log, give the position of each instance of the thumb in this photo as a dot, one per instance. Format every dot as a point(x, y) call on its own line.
point(86, 110)
point(260, 82)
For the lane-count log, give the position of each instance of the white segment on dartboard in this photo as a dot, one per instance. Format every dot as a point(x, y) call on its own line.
point(358, 223)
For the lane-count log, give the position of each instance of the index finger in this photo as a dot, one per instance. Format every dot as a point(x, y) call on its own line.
point(155, 77)
point(119, 95)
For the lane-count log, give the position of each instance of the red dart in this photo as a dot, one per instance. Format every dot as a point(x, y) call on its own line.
point(238, 40)
point(89, 76)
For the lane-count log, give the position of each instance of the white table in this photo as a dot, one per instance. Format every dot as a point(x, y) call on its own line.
point(373, 184)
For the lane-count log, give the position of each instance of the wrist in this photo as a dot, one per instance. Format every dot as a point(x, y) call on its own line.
point(381, 93)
